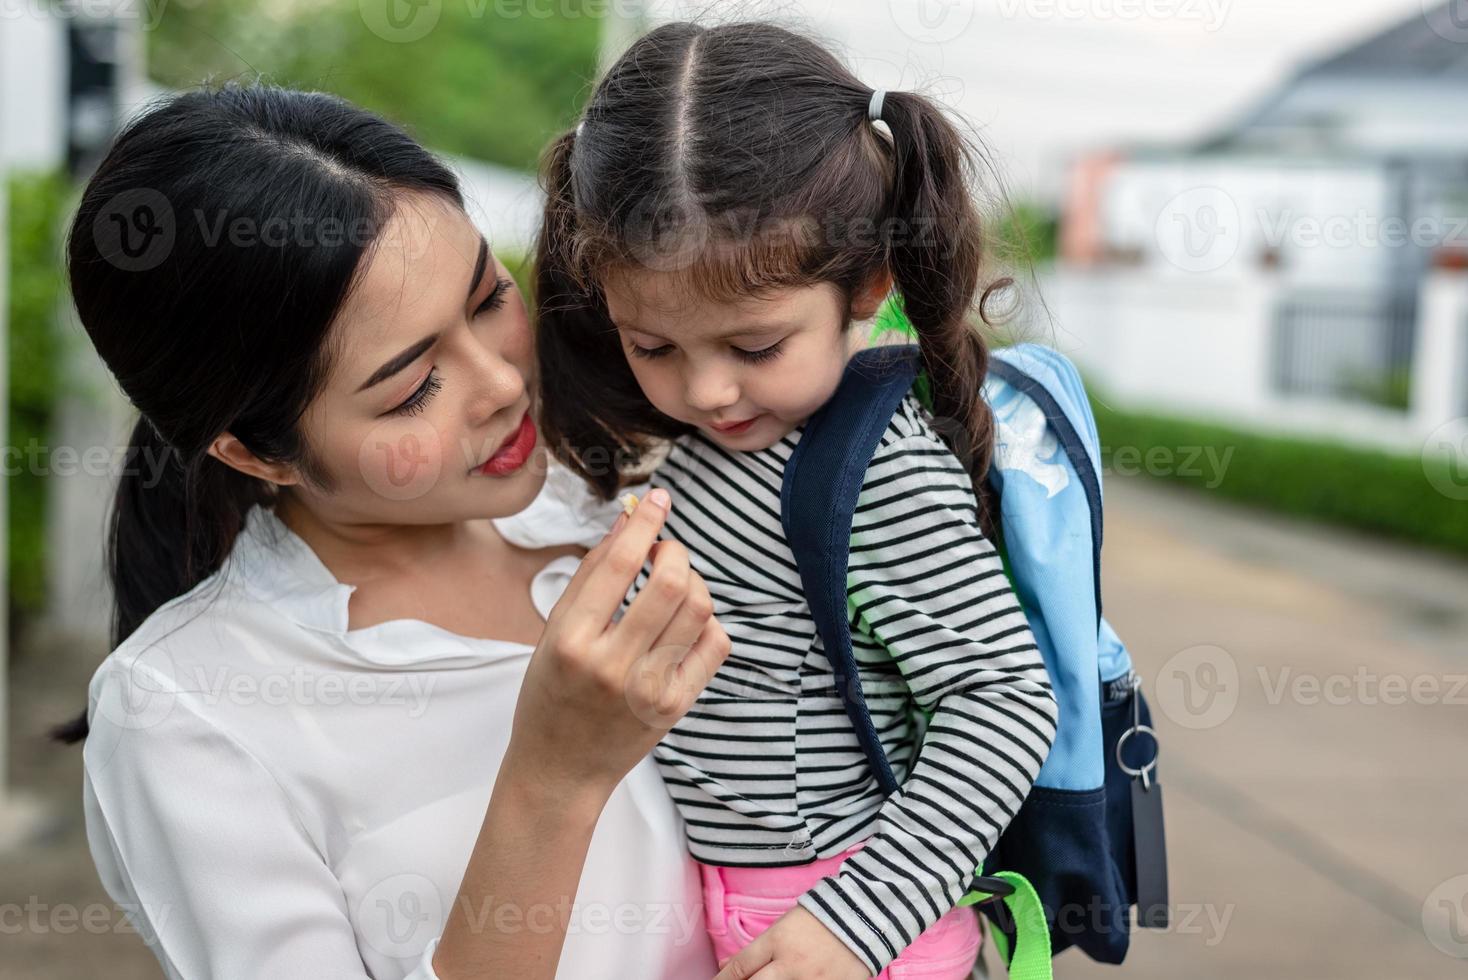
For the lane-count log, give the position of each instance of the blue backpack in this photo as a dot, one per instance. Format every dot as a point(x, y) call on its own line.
point(1087, 844)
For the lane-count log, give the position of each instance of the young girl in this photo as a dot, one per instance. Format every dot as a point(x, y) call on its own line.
point(728, 208)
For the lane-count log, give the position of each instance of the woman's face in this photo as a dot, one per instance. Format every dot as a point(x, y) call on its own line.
point(432, 379)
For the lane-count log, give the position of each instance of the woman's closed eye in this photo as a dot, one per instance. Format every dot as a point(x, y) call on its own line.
point(496, 297)
point(432, 384)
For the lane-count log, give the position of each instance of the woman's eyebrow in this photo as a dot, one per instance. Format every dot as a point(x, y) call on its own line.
point(480, 264)
point(411, 354)
point(398, 362)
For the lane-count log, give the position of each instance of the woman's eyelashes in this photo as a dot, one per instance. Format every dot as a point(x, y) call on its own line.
point(433, 383)
point(496, 297)
point(415, 402)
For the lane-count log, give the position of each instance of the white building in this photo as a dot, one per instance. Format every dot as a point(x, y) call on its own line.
point(1303, 270)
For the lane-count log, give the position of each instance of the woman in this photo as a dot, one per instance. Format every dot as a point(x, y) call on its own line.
point(347, 729)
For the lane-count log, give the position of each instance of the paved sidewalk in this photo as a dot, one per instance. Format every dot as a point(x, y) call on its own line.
point(1308, 824)
point(1305, 838)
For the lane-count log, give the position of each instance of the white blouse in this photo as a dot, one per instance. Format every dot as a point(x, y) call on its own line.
point(271, 794)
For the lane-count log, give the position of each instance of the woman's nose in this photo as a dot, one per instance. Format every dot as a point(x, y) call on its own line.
point(496, 384)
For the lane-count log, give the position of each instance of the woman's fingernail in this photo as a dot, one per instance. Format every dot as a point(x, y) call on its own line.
point(659, 498)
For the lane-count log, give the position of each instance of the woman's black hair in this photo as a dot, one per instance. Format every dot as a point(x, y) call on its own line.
point(742, 156)
point(209, 257)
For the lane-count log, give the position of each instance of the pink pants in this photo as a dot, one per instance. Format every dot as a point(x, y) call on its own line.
point(741, 903)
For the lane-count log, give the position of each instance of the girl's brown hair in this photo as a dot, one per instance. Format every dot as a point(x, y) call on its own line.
point(742, 158)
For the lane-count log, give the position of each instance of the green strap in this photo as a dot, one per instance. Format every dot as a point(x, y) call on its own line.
point(891, 319)
point(1030, 958)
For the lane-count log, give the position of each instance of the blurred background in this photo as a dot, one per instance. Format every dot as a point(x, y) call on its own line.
point(1247, 221)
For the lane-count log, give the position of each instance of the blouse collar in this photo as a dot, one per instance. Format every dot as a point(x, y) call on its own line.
point(277, 565)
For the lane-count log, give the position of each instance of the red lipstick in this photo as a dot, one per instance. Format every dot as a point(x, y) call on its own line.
point(513, 452)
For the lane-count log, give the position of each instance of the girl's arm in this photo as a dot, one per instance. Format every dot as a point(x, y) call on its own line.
point(928, 587)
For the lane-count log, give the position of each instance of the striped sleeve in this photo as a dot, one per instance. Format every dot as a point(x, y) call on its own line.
point(927, 585)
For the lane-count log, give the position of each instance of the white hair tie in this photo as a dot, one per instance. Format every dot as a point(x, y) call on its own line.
point(874, 108)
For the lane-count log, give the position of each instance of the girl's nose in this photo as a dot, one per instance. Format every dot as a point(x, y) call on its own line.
point(708, 390)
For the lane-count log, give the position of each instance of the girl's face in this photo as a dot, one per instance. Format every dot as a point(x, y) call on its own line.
point(431, 379)
point(746, 372)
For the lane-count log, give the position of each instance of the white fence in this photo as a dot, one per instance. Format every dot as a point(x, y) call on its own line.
point(1348, 365)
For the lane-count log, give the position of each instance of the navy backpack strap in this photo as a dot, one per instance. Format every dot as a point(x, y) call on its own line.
point(818, 501)
point(1075, 450)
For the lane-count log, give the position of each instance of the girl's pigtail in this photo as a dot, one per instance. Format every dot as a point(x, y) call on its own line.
point(580, 357)
point(935, 256)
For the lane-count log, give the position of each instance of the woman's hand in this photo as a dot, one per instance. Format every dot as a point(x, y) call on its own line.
point(599, 693)
point(796, 947)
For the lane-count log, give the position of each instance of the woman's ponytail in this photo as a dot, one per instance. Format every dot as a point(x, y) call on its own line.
point(936, 258)
point(171, 525)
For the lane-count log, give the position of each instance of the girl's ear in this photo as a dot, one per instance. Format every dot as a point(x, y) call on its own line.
point(869, 298)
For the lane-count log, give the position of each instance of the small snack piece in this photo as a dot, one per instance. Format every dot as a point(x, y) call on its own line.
point(629, 503)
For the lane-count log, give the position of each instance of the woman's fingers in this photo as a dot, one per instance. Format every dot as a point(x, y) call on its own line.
point(659, 600)
point(612, 566)
point(662, 685)
point(691, 617)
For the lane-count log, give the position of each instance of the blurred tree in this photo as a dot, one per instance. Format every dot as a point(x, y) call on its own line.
point(491, 79)
point(36, 202)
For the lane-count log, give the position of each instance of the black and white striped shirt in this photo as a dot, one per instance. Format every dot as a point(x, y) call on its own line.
point(766, 768)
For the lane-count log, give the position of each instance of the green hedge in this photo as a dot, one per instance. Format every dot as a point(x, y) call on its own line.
point(36, 203)
point(1334, 483)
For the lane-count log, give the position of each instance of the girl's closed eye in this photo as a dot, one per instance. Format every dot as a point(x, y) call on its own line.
point(650, 352)
point(752, 356)
point(760, 356)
